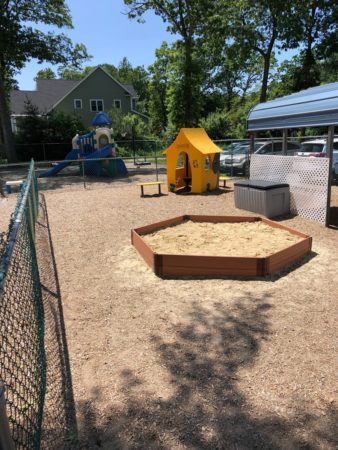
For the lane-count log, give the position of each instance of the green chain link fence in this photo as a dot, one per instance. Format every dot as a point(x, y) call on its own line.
point(22, 356)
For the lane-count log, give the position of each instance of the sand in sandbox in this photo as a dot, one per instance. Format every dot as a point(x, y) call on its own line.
point(221, 239)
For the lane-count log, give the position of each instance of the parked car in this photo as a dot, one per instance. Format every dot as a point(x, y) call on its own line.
point(238, 157)
point(276, 148)
point(315, 148)
point(335, 166)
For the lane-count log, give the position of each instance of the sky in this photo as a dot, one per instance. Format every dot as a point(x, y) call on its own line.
point(109, 36)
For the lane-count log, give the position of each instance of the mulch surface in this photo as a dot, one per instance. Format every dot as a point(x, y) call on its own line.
point(188, 363)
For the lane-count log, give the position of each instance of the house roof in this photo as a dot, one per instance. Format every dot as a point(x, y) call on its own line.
point(198, 139)
point(50, 92)
point(47, 94)
point(317, 106)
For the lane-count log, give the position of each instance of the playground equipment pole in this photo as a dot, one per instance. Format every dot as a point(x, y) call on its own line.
point(156, 167)
point(83, 174)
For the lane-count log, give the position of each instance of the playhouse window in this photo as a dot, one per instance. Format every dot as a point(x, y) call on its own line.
point(117, 103)
point(96, 105)
point(207, 163)
point(77, 103)
point(180, 161)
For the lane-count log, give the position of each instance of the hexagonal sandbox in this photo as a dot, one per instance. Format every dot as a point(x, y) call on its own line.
point(185, 264)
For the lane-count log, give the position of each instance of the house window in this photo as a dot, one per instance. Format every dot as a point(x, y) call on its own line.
point(133, 104)
point(117, 103)
point(96, 105)
point(77, 103)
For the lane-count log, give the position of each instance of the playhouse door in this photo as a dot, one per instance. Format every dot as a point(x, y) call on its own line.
point(183, 176)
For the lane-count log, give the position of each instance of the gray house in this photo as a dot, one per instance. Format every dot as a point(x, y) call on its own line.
point(98, 91)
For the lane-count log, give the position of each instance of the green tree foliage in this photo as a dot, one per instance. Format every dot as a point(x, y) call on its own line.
point(317, 34)
point(216, 124)
point(262, 27)
point(20, 41)
point(128, 126)
point(45, 74)
point(55, 127)
point(157, 105)
point(183, 18)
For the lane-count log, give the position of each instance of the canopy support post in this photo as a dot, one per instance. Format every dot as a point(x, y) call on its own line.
point(329, 154)
point(285, 141)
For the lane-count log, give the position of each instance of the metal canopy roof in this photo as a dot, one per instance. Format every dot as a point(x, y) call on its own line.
point(314, 107)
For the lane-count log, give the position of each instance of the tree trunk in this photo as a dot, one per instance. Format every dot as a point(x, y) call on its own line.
point(266, 71)
point(188, 83)
point(6, 125)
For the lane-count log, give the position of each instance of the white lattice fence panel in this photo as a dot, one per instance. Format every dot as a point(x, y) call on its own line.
point(307, 177)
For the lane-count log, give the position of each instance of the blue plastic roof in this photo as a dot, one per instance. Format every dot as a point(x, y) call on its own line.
point(101, 119)
point(317, 106)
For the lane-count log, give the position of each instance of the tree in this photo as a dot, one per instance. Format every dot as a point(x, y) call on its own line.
point(137, 76)
point(16, 19)
point(45, 74)
point(263, 26)
point(255, 27)
point(176, 99)
point(215, 124)
point(233, 70)
point(158, 89)
point(183, 18)
point(317, 34)
point(54, 127)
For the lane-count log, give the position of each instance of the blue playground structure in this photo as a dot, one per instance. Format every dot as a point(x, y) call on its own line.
point(97, 145)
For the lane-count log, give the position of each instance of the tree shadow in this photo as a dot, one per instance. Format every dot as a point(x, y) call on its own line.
point(59, 428)
point(207, 409)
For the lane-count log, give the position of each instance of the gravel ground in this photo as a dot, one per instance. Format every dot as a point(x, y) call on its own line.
point(189, 363)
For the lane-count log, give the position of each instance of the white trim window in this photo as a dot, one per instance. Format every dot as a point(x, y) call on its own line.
point(117, 103)
point(134, 103)
point(96, 104)
point(77, 103)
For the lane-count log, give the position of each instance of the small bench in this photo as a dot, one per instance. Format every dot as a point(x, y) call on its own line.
point(151, 183)
point(9, 184)
point(224, 179)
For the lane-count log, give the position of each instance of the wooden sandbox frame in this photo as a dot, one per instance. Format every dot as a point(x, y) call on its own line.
point(190, 265)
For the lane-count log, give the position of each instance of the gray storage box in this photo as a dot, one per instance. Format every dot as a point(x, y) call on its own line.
point(268, 198)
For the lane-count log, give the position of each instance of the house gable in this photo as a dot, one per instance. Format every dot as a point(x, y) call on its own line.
point(98, 86)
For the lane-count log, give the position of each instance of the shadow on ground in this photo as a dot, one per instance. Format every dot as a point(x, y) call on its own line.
point(207, 409)
point(59, 428)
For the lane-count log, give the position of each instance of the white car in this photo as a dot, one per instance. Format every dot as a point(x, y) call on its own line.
point(315, 148)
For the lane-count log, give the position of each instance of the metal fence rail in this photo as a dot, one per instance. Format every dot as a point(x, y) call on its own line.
point(22, 357)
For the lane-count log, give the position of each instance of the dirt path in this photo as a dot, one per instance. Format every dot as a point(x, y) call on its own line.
point(191, 364)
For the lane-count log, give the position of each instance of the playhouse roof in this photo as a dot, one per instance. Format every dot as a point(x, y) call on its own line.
point(197, 138)
point(101, 119)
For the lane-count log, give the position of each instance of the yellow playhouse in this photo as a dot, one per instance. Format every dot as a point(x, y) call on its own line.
point(192, 162)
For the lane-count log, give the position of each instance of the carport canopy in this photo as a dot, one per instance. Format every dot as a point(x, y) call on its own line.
point(314, 107)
